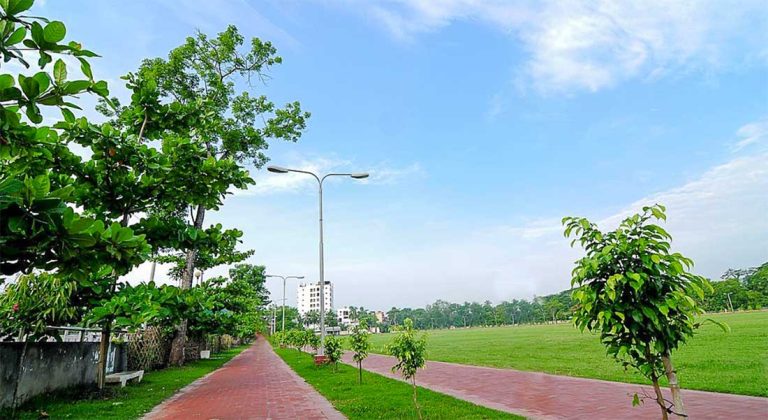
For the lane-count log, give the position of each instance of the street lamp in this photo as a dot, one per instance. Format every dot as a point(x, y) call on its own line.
point(284, 279)
point(320, 180)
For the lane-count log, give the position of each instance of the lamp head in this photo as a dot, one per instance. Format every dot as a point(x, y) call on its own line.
point(359, 175)
point(277, 169)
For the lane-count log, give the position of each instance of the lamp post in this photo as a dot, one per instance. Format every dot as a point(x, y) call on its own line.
point(320, 180)
point(284, 279)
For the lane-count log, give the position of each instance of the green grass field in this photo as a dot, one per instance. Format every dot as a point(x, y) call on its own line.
point(735, 362)
point(379, 397)
point(131, 402)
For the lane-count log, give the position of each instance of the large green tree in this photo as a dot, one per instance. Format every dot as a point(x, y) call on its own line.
point(39, 227)
point(237, 304)
point(221, 127)
point(638, 295)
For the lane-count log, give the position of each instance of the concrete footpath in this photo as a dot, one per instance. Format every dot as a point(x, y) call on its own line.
point(543, 396)
point(256, 384)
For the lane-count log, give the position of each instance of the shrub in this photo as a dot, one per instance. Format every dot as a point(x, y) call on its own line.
point(410, 352)
point(333, 351)
point(360, 346)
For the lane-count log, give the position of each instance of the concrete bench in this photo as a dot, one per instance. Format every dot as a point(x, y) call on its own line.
point(124, 377)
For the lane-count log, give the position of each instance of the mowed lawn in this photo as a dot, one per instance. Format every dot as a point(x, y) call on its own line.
point(734, 362)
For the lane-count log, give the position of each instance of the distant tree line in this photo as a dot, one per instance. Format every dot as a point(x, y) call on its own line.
point(748, 289)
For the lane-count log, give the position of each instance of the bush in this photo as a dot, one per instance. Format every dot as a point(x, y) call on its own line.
point(333, 351)
point(410, 353)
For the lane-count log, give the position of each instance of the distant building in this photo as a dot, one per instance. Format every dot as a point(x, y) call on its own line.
point(343, 316)
point(381, 317)
point(308, 297)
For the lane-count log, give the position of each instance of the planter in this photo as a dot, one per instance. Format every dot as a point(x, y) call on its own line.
point(205, 354)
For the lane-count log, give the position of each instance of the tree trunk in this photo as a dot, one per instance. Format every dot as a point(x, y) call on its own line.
point(101, 374)
point(659, 397)
point(176, 357)
point(415, 402)
point(19, 373)
point(360, 370)
point(674, 386)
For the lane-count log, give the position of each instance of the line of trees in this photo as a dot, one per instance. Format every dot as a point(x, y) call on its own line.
point(748, 289)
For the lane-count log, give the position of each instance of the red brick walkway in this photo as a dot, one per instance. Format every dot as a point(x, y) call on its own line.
point(256, 384)
point(542, 396)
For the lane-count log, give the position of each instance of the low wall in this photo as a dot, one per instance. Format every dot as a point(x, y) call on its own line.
point(51, 366)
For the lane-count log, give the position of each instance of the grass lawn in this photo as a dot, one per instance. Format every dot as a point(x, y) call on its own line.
point(735, 362)
point(380, 397)
point(130, 402)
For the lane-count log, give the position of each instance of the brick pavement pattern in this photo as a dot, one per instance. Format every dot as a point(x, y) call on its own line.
point(544, 396)
point(256, 384)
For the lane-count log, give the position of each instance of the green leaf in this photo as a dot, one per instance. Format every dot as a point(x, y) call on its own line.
point(41, 185)
point(17, 6)
point(83, 240)
point(79, 225)
point(100, 88)
point(75, 87)
point(33, 113)
point(6, 81)
point(124, 234)
point(29, 86)
point(16, 224)
point(60, 71)
point(17, 36)
point(43, 81)
point(68, 115)
point(54, 32)
point(85, 67)
point(37, 33)
point(725, 327)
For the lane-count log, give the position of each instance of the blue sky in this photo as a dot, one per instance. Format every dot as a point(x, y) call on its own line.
point(483, 124)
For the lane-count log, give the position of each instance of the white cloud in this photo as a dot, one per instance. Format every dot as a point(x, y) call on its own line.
point(380, 174)
point(267, 182)
point(752, 134)
point(387, 175)
point(591, 45)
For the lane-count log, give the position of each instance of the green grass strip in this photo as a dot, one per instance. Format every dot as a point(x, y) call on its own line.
point(130, 402)
point(380, 397)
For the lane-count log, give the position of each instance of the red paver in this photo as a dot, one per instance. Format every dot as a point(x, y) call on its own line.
point(256, 384)
point(543, 396)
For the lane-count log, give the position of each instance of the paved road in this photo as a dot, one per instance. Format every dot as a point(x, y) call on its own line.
point(256, 384)
point(543, 396)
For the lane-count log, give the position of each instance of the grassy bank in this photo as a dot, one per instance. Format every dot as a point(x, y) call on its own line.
point(130, 402)
point(735, 362)
point(379, 397)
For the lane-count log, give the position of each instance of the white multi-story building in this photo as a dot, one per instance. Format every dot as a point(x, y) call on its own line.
point(343, 316)
point(308, 297)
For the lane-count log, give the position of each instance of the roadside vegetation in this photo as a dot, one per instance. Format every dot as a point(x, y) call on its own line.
point(116, 403)
point(379, 397)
